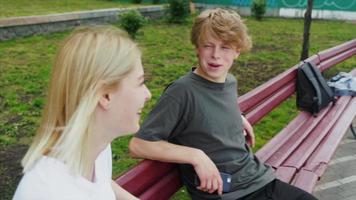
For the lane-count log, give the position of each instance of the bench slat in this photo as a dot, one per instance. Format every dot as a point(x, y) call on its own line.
point(337, 59)
point(305, 149)
point(148, 172)
point(331, 52)
point(278, 140)
point(305, 180)
point(327, 150)
point(249, 100)
point(264, 98)
point(285, 174)
point(315, 59)
point(160, 191)
point(317, 162)
point(297, 136)
point(268, 105)
point(254, 97)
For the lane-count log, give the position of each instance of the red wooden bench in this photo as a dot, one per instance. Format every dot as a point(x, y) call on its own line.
point(299, 153)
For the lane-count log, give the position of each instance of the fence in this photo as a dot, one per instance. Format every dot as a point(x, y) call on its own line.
point(322, 9)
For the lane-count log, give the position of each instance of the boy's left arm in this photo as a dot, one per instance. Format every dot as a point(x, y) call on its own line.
point(248, 132)
point(120, 193)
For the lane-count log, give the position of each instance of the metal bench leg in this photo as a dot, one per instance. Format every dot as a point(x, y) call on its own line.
point(353, 131)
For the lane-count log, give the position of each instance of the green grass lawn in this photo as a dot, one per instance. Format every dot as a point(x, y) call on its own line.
point(16, 8)
point(167, 54)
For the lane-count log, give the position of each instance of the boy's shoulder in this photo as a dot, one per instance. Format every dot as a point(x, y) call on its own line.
point(184, 80)
point(180, 85)
point(230, 78)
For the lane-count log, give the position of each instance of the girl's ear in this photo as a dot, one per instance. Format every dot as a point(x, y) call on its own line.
point(106, 97)
point(105, 100)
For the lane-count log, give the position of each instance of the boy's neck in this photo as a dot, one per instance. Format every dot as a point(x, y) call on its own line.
point(198, 71)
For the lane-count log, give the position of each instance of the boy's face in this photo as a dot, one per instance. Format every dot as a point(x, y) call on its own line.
point(215, 59)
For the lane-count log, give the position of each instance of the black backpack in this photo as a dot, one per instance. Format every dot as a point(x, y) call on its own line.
point(313, 93)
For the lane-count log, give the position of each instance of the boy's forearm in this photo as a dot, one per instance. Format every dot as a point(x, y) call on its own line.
point(168, 152)
point(163, 151)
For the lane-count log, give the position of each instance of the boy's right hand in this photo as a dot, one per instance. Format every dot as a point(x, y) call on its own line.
point(210, 179)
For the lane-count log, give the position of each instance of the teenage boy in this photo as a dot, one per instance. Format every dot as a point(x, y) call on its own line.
point(196, 123)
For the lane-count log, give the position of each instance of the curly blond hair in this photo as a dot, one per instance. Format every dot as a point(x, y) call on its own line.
point(225, 25)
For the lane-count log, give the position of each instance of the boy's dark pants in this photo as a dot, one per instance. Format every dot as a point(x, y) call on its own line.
point(278, 190)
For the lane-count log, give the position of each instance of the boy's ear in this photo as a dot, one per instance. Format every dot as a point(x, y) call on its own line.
point(105, 100)
point(197, 51)
point(237, 53)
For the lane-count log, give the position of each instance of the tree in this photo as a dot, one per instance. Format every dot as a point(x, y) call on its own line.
point(307, 24)
point(258, 8)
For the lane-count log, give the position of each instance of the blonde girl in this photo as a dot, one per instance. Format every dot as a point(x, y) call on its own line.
point(96, 94)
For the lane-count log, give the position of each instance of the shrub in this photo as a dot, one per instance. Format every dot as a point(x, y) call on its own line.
point(258, 8)
point(178, 11)
point(132, 21)
point(156, 1)
point(136, 1)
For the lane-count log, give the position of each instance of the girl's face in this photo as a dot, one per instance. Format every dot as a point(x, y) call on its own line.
point(128, 101)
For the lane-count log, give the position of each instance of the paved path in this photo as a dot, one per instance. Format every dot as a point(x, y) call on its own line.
point(339, 180)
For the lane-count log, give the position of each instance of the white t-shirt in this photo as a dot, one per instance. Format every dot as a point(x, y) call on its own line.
point(50, 179)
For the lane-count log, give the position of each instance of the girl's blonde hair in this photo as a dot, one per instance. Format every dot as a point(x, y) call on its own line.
point(92, 59)
point(222, 24)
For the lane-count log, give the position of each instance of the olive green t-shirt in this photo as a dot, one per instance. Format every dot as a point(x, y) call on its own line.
point(198, 113)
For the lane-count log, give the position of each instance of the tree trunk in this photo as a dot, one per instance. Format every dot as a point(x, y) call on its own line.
point(307, 24)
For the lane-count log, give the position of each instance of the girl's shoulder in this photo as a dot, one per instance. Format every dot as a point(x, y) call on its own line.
point(49, 178)
point(35, 183)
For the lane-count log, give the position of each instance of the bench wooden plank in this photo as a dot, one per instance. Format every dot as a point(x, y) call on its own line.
point(303, 129)
point(269, 104)
point(260, 103)
point(317, 162)
point(278, 140)
point(307, 147)
point(330, 130)
point(328, 148)
point(258, 97)
point(297, 134)
point(249, 100)
point(305, 180)
point(316, 165)
point(331, 52)
point(285, 174)
point(337, 59)
point(148, 172)
point(160, 190)
point(323, 154)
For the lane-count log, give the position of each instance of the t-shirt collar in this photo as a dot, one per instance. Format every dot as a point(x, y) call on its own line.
point(205, 81)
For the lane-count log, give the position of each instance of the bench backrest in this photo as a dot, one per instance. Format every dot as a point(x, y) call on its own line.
point(157, 180)
point(260, 101)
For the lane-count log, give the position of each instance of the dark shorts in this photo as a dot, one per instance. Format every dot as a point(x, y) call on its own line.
point(279, 190)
